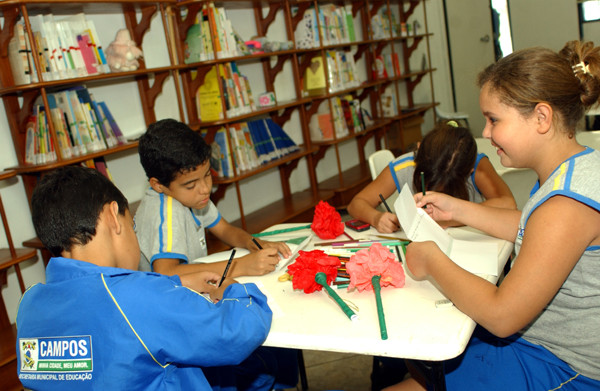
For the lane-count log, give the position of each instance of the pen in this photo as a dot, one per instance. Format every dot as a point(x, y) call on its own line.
point(423, 186)
point(390, 211)
point(256, 242)
point(227, 268)
point(385, 203)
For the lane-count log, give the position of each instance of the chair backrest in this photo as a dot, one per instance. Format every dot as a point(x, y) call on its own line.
point(378, 160)
point(520, 181)
point(485, 146)
point(589, 138)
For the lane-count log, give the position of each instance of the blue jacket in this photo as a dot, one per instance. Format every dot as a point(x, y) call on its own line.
point(92, 327)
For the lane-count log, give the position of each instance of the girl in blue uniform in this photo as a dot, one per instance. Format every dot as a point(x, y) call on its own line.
point(541, 323)
point(449, 161)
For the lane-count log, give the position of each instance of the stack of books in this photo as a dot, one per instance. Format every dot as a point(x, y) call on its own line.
point(212, 33)
point(250, 144)
point(236, 90)
point(82, 126)
point(331, 23)
point(65, 49)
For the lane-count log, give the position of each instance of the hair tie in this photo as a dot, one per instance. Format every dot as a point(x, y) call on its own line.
point(454, 124)
point(582, 66)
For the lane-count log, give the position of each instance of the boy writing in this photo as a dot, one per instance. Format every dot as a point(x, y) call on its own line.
point(87, 326)
point(176, 209)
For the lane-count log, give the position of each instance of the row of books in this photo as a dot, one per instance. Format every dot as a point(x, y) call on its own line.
point(251, 144)
point(235, 87)
point(82, 126)
point(99, 164)
point(212, 33)
point(341, 73)
point(65, 48)
point(330, 24)
point(385, 25)
point(346, 116)
point(386, 65)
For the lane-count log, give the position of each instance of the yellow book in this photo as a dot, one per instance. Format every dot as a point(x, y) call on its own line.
point(208, 98)
point(314, 77)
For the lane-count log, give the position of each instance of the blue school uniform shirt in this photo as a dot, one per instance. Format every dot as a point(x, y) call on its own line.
point(403, 169)
point(93, 327)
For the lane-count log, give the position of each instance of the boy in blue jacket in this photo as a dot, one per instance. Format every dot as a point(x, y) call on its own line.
point(98, 323)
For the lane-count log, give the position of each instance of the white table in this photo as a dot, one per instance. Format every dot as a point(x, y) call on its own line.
point(416, 328)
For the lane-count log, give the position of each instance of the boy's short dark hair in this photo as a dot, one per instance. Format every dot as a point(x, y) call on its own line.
point(170, 147)
point(66, 205)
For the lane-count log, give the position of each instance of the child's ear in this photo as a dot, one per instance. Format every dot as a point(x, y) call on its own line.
point(111, 216)
point(543, 117)
point(156, 185)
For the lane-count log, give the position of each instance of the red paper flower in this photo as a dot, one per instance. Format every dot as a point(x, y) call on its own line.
point(327, 222)
point(307, 265)
point(377, 260)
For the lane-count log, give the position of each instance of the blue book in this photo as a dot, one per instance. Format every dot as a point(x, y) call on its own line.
point(281, 138)
point(265, 139)
point(225, 153)
point(261, 152)
point(113, 124)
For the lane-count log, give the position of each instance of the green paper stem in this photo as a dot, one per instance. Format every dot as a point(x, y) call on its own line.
point(280, 231)
point(380, 314)
point(321, 279)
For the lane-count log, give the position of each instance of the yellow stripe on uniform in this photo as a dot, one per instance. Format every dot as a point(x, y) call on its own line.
point(169, 224)
point(404, 165)
point(129, 323)
point(563, 168)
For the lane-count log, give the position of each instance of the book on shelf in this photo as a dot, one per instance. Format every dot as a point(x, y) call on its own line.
point(17, 55)
point(208, 97)
point(221, 148)
point(68, 47)
point(306, 35)
point(331, 24)
point(314, 77)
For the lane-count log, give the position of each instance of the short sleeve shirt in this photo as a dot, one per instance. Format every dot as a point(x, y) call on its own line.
point(403, 169)
point(165, 228)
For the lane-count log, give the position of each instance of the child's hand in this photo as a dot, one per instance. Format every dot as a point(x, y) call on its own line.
point(217, 293)
point(202, 282)
point(387, 223)
point(420, 256)
point(257, 263)
point(281, 247)
point(439, 206)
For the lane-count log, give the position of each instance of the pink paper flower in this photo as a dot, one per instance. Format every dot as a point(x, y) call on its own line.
point(327, 222)
point(307, 265)
point(374, 261)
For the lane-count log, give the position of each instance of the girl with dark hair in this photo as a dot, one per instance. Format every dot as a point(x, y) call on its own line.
point(450, 164)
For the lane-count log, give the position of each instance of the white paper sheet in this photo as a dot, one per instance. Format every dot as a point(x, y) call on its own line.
point(475, 257)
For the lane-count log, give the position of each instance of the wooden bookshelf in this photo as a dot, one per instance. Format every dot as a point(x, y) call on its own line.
point(276, 20)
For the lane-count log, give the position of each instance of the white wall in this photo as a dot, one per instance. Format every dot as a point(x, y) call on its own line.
point(547, 23)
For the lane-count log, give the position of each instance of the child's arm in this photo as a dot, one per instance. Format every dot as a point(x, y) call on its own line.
point(363, 204)
point(237, 237)
point(543, 264)
point(498, 222)
point(492, 187)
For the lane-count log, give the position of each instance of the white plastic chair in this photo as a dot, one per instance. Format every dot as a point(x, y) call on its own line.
point(520, 181)
point(485, 146)
point(457, 116)
point(589, 138)
point(379, 160)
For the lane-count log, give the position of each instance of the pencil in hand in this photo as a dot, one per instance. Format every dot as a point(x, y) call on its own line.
point(257, 244)
point(226, 268)
point(387, 207)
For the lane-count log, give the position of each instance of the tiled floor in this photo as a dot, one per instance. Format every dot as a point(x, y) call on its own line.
point(337, 371)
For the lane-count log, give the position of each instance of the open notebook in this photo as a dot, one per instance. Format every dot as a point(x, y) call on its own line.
point(475, 257)
point(294, 243)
